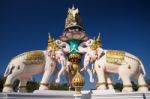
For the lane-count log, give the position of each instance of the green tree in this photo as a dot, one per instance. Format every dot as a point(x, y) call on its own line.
point(2, 80)
point(31, 86)
point(54, 86)
point(118, 86)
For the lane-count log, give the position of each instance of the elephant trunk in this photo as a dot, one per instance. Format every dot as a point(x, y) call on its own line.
point(63, 68)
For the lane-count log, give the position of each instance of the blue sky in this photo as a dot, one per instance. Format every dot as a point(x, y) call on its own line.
point(124, 25)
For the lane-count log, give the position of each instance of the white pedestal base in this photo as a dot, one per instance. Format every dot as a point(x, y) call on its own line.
point(95, 94)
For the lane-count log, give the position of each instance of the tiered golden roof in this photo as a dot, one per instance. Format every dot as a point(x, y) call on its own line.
point(73, 19)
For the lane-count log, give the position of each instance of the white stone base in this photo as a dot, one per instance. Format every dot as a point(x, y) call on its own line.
point(95, 94)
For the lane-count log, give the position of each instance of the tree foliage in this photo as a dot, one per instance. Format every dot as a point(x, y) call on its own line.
point(2, 80)
point(31, 86)
point(54, 86)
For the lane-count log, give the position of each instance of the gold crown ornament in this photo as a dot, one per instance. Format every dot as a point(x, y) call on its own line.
point(52, 44)
point(96, 43)
point(73, 18)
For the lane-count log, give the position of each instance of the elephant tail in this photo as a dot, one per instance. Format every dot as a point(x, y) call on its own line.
point(142, 67)
point(6, 71)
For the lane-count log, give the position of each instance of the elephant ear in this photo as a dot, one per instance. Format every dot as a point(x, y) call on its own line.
point(89, 42)
point(63, 45)
point(60, 43)
point(82, 48)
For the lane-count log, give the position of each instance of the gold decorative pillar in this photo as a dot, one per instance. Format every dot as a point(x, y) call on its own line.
point(78, 82)
point(76, 78)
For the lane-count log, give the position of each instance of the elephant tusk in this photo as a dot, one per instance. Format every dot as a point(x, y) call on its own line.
point(82, 69)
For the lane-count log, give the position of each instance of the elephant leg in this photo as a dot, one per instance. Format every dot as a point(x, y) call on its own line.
point(68, 78)
point(22, 85)
point(59, 74)
point(127, 85)
point(44, 82)
point(101, 84)
point(55, 73)
point(8, 86)
point(141, 83)
point(109, 83)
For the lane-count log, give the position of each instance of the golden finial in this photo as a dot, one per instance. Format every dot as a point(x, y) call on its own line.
point(49, 35)
point(49, 38)
point(98, 40)
point(94, 38)
point(78, 82)
point(94, 44)
point(73, 18)
point(73, 7)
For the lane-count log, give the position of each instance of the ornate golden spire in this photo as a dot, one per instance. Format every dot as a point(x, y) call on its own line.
point(51, 43)
point(78, 82)
point(49, 38)
point(96, 43)
point(73, 18)
point(98, 40)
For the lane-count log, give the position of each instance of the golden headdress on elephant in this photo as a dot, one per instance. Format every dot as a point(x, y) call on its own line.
point(96, 43)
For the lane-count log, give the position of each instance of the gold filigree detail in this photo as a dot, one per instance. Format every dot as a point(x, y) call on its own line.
point(144, 85)
point(75, 58)
point(73, 19)
point(115, 57)
point(78, 82)
point(127, 85)
point(34, 57)
point(52, 44)
point(96, 43)
point(8, 85)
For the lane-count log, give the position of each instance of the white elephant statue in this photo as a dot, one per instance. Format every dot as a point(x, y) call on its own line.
point(124, 64)
point(25, 65)
point(66, 50)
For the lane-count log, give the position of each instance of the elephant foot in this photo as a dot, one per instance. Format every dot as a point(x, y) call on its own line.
point(101, 86)
point(127, 88)
point(7, 89)
point(143, 88)
point(57, 80)
point(43, 87)
point(22, 89)
point(110, 86)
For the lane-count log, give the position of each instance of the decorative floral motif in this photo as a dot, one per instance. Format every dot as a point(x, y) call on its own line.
point(74, 35)
point(115, 57)
point(34, 57)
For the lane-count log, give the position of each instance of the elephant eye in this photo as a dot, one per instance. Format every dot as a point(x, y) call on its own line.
point(63, 46)
point(58, 42)
point(84, 46)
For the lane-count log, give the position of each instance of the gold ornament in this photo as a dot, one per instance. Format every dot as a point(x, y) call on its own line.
point(78, 82)
point(73, 19)
point(35, 57)
point(115, 57)
point(52, 44)
point(98, 40)
point(96, 43)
